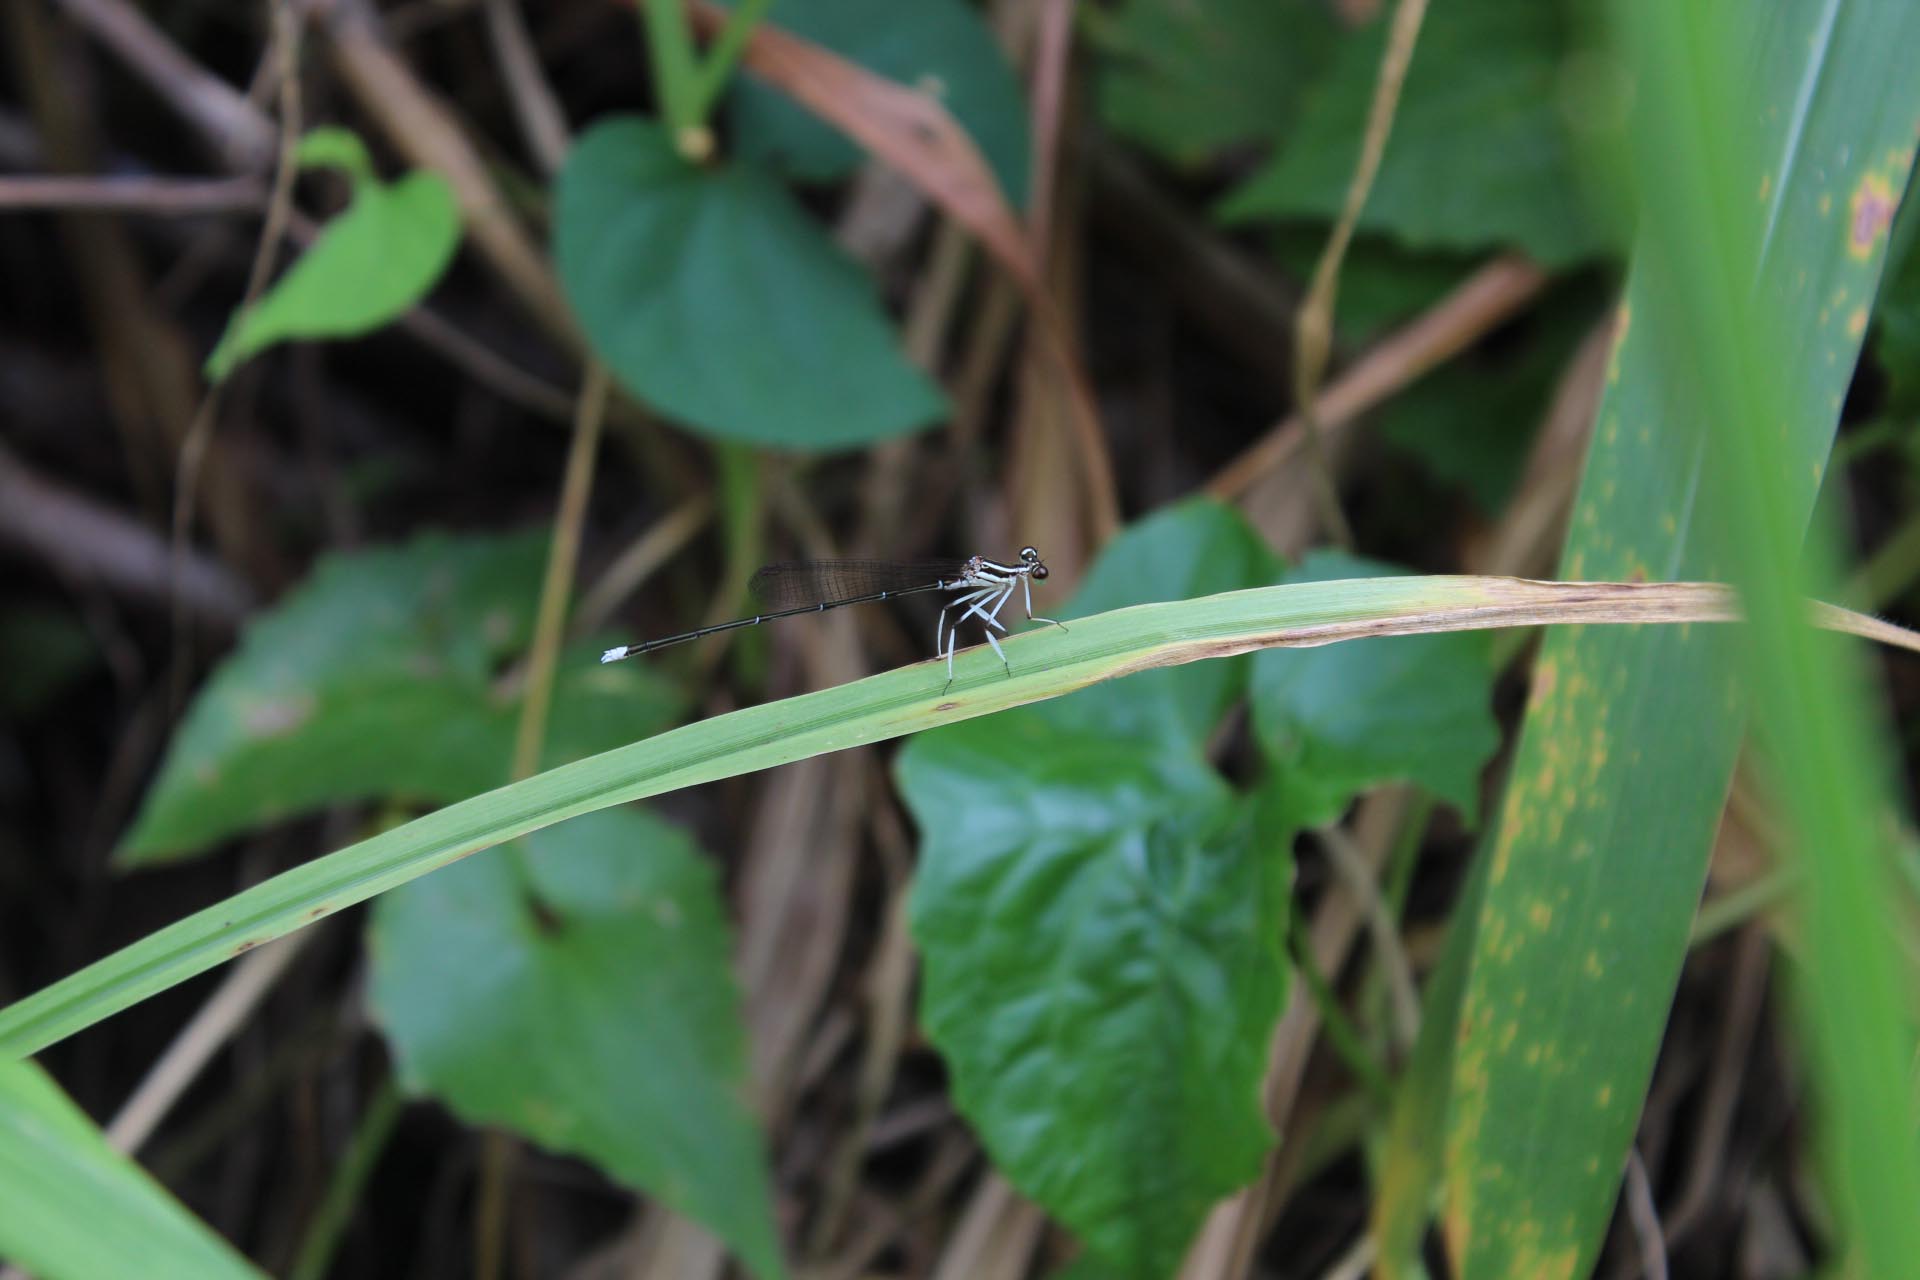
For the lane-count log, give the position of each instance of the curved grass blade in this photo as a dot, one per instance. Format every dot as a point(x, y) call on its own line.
point(1046, 663)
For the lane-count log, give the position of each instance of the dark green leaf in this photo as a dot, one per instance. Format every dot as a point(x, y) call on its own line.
point(368, 266)
point(938, 46)
point(1478, 156)
point(71, 1206)
point(380, 678)
point(713, 298)
point(1103, 967)
point(1337, 720)
point(1101, 923)
point(1187, 80)
point(603, 1023)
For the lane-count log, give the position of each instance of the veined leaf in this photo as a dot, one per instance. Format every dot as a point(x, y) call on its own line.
point(1101, 920)
point(602, 1022)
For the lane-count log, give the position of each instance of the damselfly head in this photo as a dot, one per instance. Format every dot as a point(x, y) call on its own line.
point(1031, 558)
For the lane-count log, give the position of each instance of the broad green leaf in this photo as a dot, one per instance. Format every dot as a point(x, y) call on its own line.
point(1334, 722)
point(940, 47)
point(1047, 662)
point(381, 677)
point(1472, 420)
point(368, 265)
point(1188, 80)
point(1630, 739)
point(602, 1023)
point(713, 298)
point(1101, 933)
point(72, 1208)
point(1478, 156)
point(42, 651)
point(1101, 924)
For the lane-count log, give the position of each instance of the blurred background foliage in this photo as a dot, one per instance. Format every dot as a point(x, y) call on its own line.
point(370, 367)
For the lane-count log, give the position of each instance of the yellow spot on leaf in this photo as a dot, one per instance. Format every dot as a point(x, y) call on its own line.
point(1604, 1096)
point(1857, 322)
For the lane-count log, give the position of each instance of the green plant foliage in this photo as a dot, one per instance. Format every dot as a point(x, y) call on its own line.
point(602, 1022)
point(368, 266)
point(1048, 663)
point(1337, 720)
point(1623, 764)
point(1472, 420)
point(713, 298)
point(381, 677)
point(938, 46)
point(42, 651)
point(1478, 156)
point(1188, 80)
point(1101, 920)
point(71, 1206)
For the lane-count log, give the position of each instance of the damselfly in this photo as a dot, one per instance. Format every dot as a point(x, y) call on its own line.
point(980, 589)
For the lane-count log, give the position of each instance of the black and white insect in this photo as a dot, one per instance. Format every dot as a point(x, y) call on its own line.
point(980, 589)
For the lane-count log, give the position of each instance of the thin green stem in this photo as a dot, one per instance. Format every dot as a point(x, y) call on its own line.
point(1341, 1032)
point(676, 74)
point(724, 53)
point(335, 1213)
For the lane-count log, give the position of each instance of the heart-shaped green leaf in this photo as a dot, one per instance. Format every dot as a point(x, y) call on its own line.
point(602, 1022)
point(713, 298)
point(368, 266)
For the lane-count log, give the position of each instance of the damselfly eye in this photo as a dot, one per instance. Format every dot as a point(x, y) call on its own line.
point(1040, 572)
point(1029, 555)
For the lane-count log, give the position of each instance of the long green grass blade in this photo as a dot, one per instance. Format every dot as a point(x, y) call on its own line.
point(1699, 238)
point(1045, 664)
point(1631, 736)
point(70, 1205)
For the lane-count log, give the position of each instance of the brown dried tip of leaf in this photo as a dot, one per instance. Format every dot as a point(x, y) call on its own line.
point(905, 127)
